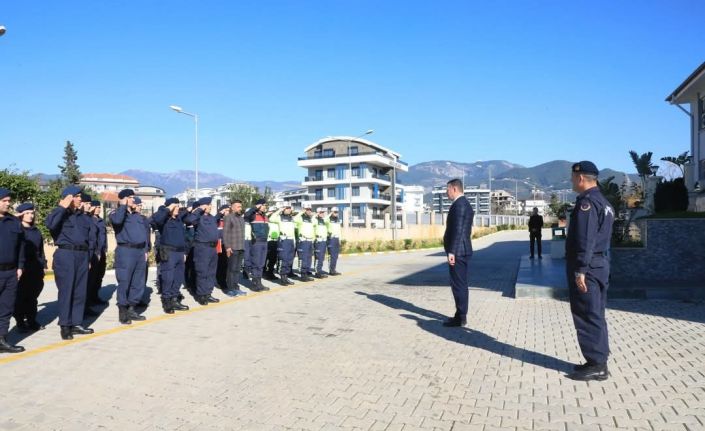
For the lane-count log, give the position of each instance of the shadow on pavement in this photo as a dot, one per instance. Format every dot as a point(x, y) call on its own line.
point(433, 323)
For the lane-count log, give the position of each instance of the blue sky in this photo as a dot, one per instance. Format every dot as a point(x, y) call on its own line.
point(524, 81)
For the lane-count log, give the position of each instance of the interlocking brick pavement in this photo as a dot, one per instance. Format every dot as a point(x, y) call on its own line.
point(364, 351)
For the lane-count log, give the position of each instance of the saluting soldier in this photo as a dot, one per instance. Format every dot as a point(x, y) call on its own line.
point(12, 260)
point(321, 242)
point(304, 243)
point(75, 236)
point(130, 256)
point(31, 283)
point(333, 223)
point(259, 225)
point(205, 256)
point(270, 264)
point(169, 221)
point(588, 269)
point(286, 246)
point(96, 272)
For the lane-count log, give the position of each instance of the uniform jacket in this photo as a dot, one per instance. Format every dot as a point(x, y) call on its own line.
point(34, 249)
point(205, 227)
point(172, 232)
point(456, 239)
point(589, 231)
point(72, 228)
point(259, 224)
point(12, 243)
point(129, 226)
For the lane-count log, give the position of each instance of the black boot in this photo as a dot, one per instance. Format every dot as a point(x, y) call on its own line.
point(122, 315)
point(211, 298)
point(244, 275)
point(133, 314)
point(6, 347)
point(66, 333)
point(80, 330)
point(176, 305)
point(284, 280)
point(168, 305)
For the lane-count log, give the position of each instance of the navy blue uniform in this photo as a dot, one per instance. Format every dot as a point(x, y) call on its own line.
point(148, 228)
point(31, 283)
point(456, 241)
point(12, 257)
point(172, 249)
point(258, 243)
point(587, 245)
point(75, 236)
point(130, 261)
point(98, 261)
point(205, 256)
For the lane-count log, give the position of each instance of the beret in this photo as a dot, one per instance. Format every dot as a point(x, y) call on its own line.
point(95, 203)
point(4, 192)
point(205, 201)
point(171, 201)
point(586, 167)
point(196, 204)
point(126, 193)
point(70, 190)
point(260, 202)
point(137, 200)
point(85, 197)
point(223, 207)
point(24, 207)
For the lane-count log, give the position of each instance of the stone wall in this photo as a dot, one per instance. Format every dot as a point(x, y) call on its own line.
point(673, 257)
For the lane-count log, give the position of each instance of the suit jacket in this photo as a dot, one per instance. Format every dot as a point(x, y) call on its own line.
point(456, 239)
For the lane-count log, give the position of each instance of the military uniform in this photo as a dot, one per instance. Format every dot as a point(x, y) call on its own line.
point(96, 271)
point(305, 235)
point(12, 258)
point(130, 258)
point(321, 242)
point(286, 247)
point(259, 225)
point(205, 255)
point(333, 224)
point(587, 246)
point(31, 283)
point(272, 250)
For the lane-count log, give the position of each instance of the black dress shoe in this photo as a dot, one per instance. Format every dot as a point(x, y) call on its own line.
point(454, 322)
point(132, 314)
point(176, 305)
point(80, 330)
point(6, 347)
point(580, 367)
point(202, 300)
point(211, 298)
point(590, 372)
point(66, 333)
point(334, 273)
point(320, 275)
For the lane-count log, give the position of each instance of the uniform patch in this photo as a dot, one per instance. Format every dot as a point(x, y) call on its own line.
point(585, 206)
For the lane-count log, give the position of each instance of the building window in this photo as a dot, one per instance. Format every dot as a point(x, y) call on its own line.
point(356, 212)
point(340, 172)
point(319, 175)
point(356, 171)
point(328, 153)
point(331, 172)
point(317, 153)
point(340, 192)
point(331, 193)
point(701, 113)
point(356, 191)
point(319, 194)
point(353, 151)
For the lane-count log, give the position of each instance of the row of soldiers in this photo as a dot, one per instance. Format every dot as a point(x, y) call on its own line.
point(193, 248)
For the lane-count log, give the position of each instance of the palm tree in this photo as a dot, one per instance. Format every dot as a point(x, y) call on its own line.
point(679, 161)
point(644, 167)
point(611, 192)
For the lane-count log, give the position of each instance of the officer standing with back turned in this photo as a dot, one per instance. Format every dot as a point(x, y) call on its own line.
point(588, 270)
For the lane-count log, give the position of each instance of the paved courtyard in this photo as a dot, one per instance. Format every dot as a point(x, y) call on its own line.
point(363, 351)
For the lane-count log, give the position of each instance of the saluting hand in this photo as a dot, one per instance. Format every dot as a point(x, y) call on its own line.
point(580, 283)
point(66, 201)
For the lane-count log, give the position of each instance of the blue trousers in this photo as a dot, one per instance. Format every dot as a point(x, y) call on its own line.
point(286, 251)
point(258, 256)
point(305, 250)
point(459, 282)
point(588, 310)
point(71, 275)
point(333, 252)
point(29, 288)
point(205, 260)
point(130, 265)
point(8, 294)
point(171, 274)
point(319, 248)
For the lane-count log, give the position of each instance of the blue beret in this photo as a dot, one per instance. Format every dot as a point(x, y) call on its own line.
point(223, 207)
point(126, 193)
point(137, 200)
point(260, 202)
point(586, 167)
point(205, 201)
point(24, 207)
point(71, 190)
point(85, 197)
point(196, 204)
point(4, 193)
point(95, 203)
point(171, 201)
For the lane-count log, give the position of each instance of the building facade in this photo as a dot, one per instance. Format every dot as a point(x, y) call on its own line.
point(353, 173)
point(479, 199)
point(295, 198)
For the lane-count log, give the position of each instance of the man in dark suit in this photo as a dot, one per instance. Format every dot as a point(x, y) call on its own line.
point(457, 244)
point(535, 226)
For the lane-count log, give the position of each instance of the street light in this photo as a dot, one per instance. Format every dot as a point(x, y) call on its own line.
point(2, 30)
point(195, 118)
point(369, 132)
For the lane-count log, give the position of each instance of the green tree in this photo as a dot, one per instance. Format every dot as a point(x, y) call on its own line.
point(245, 193)
point(70, 173)
point(555, 204)
point(644, 167)
point(611, 192)
point(681, 160)
point(26, 189)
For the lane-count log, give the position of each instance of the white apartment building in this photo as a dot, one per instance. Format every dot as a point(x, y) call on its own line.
point(353, 173)
point(479, 199)
point(295, 198)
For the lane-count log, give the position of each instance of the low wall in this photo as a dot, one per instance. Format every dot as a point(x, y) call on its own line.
point(672, 258)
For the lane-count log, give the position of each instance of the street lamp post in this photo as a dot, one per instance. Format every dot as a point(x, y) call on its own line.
point(195, 119)
point(369, 132)
point(2, 30)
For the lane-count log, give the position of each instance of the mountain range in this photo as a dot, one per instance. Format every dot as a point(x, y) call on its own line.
point(553, 176)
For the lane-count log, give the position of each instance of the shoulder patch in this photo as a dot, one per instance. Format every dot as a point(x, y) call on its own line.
point(585, 206)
